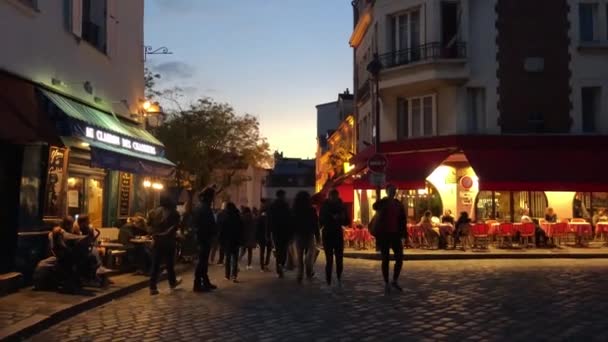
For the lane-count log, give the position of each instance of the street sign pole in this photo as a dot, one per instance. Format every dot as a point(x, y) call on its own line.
point(377, 166)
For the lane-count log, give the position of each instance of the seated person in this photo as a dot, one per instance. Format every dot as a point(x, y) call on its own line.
point(539, 234)
point(600, 216)
point(140, 254)
point(462, 229)
point(426, 223)
point(550, 215)
point(447, 217)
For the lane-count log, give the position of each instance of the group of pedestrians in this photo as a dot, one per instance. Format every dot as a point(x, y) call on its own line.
point(276, 227)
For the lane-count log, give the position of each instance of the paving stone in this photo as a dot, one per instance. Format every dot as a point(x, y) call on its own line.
point(477, 300)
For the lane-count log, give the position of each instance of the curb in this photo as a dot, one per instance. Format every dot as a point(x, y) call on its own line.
point(45, 322)
point(481, 256)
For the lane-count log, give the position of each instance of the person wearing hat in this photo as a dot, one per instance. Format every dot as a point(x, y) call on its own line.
point(204, 223)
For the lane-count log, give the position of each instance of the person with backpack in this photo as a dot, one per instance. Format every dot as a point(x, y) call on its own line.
point(390, 230)
point(306, 224)
point(281, 226)
point(204, 223)
point(333, 217)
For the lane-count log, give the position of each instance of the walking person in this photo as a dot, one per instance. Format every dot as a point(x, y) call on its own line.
point(216, 246)
point(280, 225)
point(306, 224)
point(231, 234)
point(163, 222)
point(249, 235)
point(390, 230)
point(263, 237)
point(333, 217)
point(204, 223)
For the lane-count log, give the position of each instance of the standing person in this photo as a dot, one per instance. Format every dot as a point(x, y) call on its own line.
point(163, 222)
point(280, 225)
point(249, 235)
point(306, 224)
point(231, 233)
point(203, 221)
point(216, 245)
point(333, 217)
point(263, 237)
point(390, 230)
point(462, 230)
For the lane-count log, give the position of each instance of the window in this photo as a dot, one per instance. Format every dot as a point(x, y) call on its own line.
point(416, 117)
point(588, 22)
point(405, 36)
point(476, 110)
point(590, 97)
point(402, 119)
point(94, 23)
point(509, 206)
point(450, 25)
point(589, 205)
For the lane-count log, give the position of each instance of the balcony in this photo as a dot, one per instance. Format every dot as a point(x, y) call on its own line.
point(427, 65)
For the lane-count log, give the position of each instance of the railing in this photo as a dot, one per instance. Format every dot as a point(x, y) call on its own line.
point(429, 51)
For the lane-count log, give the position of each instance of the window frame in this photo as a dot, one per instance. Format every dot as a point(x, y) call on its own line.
point(409, 114)
point(394, 32)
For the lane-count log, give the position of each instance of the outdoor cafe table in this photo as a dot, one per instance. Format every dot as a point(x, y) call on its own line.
point(601, 227)
point(581, 229)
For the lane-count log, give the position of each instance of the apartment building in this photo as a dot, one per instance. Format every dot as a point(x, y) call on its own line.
point(72, 102)
point(494, 107)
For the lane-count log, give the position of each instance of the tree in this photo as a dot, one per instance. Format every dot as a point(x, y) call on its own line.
point(150, 79)
point(209, 140)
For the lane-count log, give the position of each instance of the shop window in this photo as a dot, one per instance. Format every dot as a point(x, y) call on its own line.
point(75, 196)
point(95, 201)
point(509, 206)
point(418, 201)
point(85, 196)
point(588, 204)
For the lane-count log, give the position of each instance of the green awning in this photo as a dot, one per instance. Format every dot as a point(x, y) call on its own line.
point(99, 119)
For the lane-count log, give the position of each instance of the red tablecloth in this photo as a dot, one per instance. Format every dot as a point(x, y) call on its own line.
point(580, 228)
point(601, 227)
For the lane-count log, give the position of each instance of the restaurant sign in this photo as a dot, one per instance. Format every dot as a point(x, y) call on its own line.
point(113, 139)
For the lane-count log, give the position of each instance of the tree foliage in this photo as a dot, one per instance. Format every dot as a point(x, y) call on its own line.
point(211, 141)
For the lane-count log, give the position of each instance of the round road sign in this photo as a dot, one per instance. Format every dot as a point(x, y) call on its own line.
point(377, 163)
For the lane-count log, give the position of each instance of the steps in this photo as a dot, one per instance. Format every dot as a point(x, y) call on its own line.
point(10, 282)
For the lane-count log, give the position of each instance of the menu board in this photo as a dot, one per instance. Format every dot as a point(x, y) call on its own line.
point(124, 194)
point(54, 182)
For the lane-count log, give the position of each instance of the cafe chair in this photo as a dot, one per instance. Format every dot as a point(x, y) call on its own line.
point(505, 235)
point(481, 236)
point(527, 233)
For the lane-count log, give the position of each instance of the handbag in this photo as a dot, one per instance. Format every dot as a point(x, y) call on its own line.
point(372, 225)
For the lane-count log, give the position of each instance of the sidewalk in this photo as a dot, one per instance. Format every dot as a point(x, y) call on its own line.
point(28, 311)
point(593, 252)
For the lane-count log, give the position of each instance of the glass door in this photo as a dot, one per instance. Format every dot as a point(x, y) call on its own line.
point(95, 201)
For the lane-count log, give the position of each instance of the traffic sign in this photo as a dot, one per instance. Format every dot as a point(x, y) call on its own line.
point(377, 163)
point(377, 179)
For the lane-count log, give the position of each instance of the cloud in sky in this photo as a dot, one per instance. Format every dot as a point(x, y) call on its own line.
point(175, 70)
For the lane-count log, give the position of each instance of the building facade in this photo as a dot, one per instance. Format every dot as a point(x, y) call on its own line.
point(479, 99)
point(291, 175)
point(72, 99)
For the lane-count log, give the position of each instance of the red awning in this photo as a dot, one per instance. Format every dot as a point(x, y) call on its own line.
point(408, 170)
point(539, 168)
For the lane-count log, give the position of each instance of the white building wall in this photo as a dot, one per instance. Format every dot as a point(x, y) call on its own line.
point(588, 66)
point(38, 47)
point(481, 57)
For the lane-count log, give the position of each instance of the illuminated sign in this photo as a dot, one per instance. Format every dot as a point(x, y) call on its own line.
point(113, 139)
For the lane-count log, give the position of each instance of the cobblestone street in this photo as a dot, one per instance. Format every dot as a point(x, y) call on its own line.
point(493, 300)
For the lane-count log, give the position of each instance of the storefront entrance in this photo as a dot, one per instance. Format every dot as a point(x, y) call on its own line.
point(85, 196)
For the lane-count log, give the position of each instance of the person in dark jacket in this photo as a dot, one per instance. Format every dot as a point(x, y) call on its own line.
point(333, 217)
point(306, 229)
point(163, 222)
point(390, 231)
point(231, 234)
point(263, 237)
point(280, 225)
point(204, 223)
point(249, 235)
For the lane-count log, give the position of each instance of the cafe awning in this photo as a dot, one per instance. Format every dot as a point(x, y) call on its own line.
point(114, 144)
point(22, 120)
point(408, 170)
point(538, 168)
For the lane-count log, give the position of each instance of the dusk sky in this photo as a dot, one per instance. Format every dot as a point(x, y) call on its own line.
point(275, 59)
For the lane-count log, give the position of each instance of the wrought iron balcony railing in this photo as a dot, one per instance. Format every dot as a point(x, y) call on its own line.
point(425, 52)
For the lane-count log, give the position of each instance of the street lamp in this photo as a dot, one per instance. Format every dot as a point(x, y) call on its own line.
point(374, 68)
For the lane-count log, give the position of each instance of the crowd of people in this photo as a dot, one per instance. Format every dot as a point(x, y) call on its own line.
point(294, 233)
